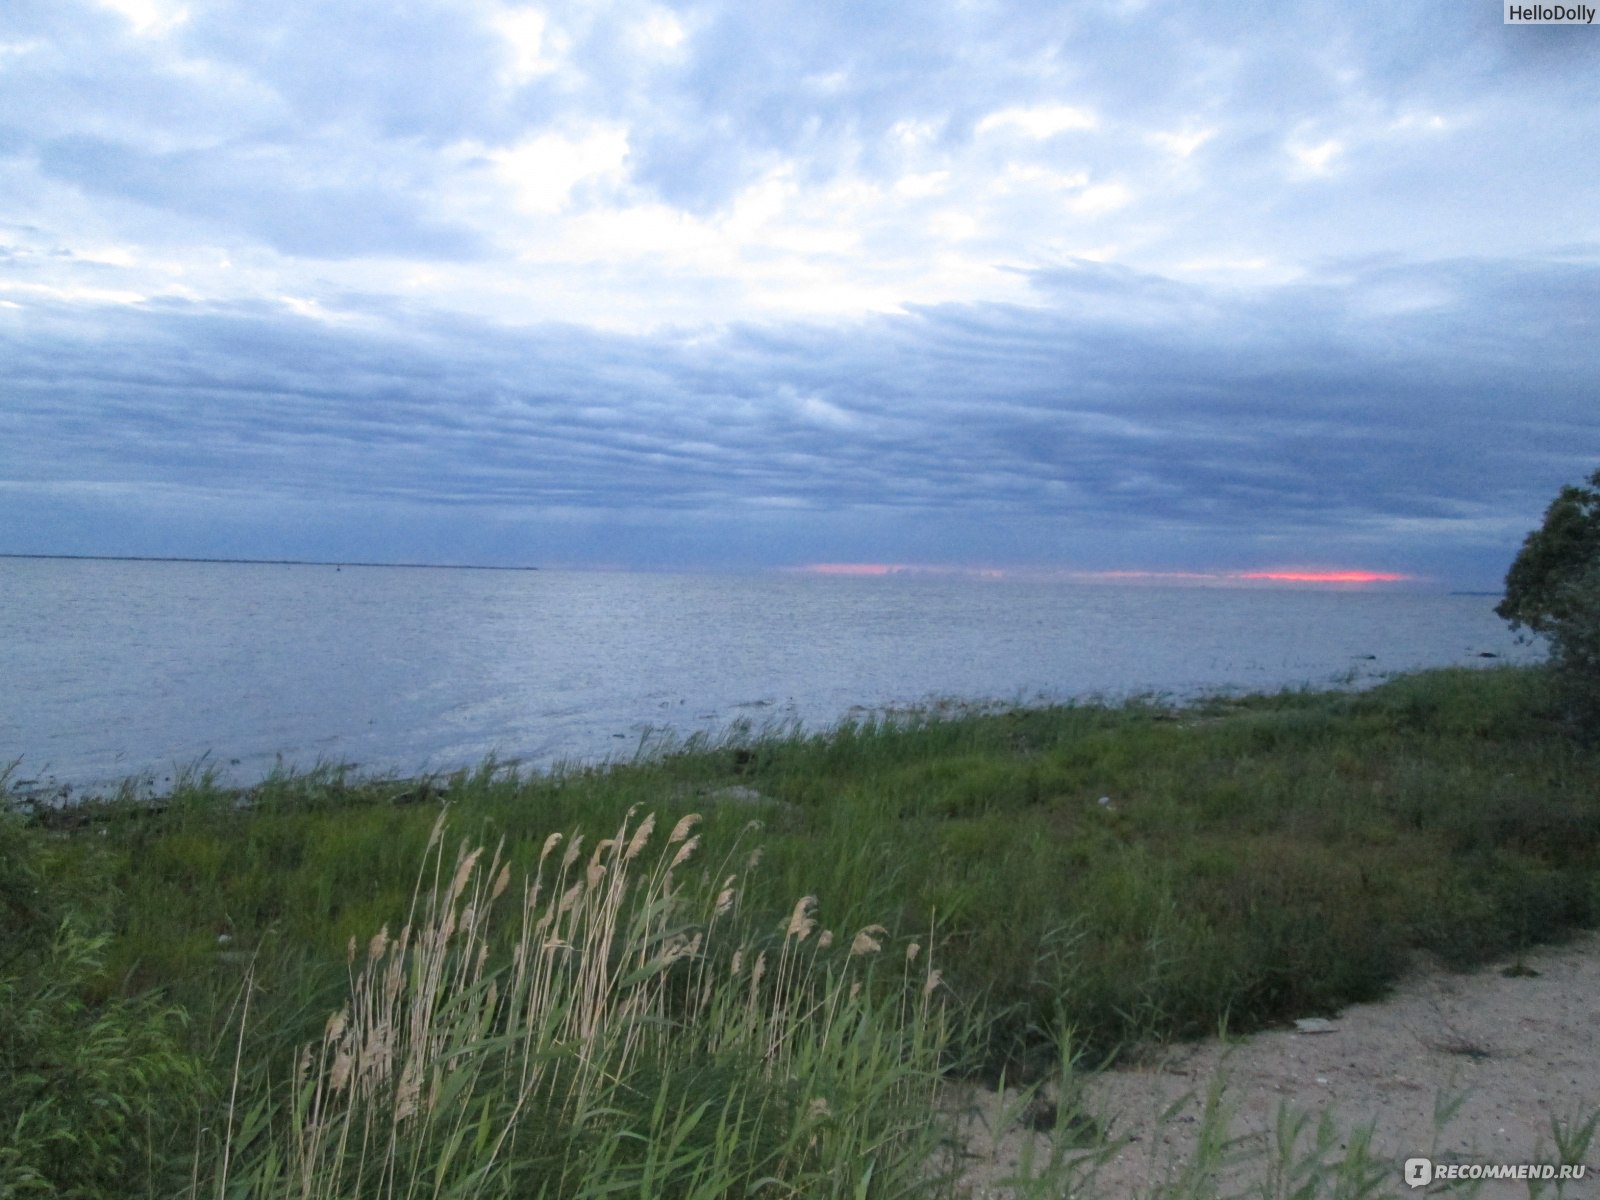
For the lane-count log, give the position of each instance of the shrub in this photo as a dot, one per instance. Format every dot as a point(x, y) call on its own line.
point(96, 1092)
point(1553, 587)
point(1575, 649)
point(1539, 588)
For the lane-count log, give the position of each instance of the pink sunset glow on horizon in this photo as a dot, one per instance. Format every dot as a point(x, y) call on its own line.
point(1299, 576)
point(1274, 575)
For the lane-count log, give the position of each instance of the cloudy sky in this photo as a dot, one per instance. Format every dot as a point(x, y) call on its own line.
point(1180, 289)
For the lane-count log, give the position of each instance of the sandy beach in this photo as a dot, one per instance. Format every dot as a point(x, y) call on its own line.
point(1507, 1051)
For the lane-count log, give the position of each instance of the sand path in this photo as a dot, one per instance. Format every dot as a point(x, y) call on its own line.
point(1514, 1050)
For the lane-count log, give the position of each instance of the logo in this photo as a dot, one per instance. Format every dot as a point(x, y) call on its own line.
point(1419, 1172)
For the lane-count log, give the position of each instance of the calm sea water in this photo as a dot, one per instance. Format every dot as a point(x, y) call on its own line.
point(121, 669)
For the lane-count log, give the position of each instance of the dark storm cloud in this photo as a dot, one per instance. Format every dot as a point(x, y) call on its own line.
point(1304, 412)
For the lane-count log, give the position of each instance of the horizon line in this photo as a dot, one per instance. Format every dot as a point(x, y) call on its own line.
point(1346, 577)
point(273, 562)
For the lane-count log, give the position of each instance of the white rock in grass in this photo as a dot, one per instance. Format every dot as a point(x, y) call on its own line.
point(738, 794)
point(1315, 1025)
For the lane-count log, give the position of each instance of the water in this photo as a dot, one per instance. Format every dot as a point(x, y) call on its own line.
point(117, 669)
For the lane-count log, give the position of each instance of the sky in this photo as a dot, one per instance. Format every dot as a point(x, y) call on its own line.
point(1125, 289)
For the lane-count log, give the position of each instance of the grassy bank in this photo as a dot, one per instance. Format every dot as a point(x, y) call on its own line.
point(1078, 876)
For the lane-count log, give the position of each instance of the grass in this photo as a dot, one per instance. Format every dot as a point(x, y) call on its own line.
point(617, 1038)
point(1094, 874)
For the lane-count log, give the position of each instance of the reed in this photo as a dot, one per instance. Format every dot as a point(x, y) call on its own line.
point(629, 1032)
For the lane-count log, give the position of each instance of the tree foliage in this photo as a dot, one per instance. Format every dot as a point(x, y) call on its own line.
point(1545, 585)
point(1553, 588)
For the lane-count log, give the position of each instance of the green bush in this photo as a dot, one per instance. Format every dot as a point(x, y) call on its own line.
point(97, 1093)
point(1575, 650)
point(1553, 587)
point(1564, 547)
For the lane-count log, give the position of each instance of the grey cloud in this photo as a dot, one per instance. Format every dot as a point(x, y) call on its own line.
point(424, 71)
point(319, 129)
point(826, 84)
point(311, 128)
point(1431, 371)
point(296, 199)
point(1308, 421)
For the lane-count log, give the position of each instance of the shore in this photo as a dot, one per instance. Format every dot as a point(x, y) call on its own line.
point(989, 895)
point(1484, 1066)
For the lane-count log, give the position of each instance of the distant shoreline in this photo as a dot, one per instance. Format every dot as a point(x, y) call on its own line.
point(412, 566)
point(270, 562)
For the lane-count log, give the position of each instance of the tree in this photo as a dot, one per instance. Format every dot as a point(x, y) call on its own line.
point(1553, 588)
point(1548, 585)
point(1574, 635)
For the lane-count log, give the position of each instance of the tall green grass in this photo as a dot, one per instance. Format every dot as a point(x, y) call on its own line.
point(630, 1033)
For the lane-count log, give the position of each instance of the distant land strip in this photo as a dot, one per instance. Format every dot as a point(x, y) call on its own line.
point(269, 562)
